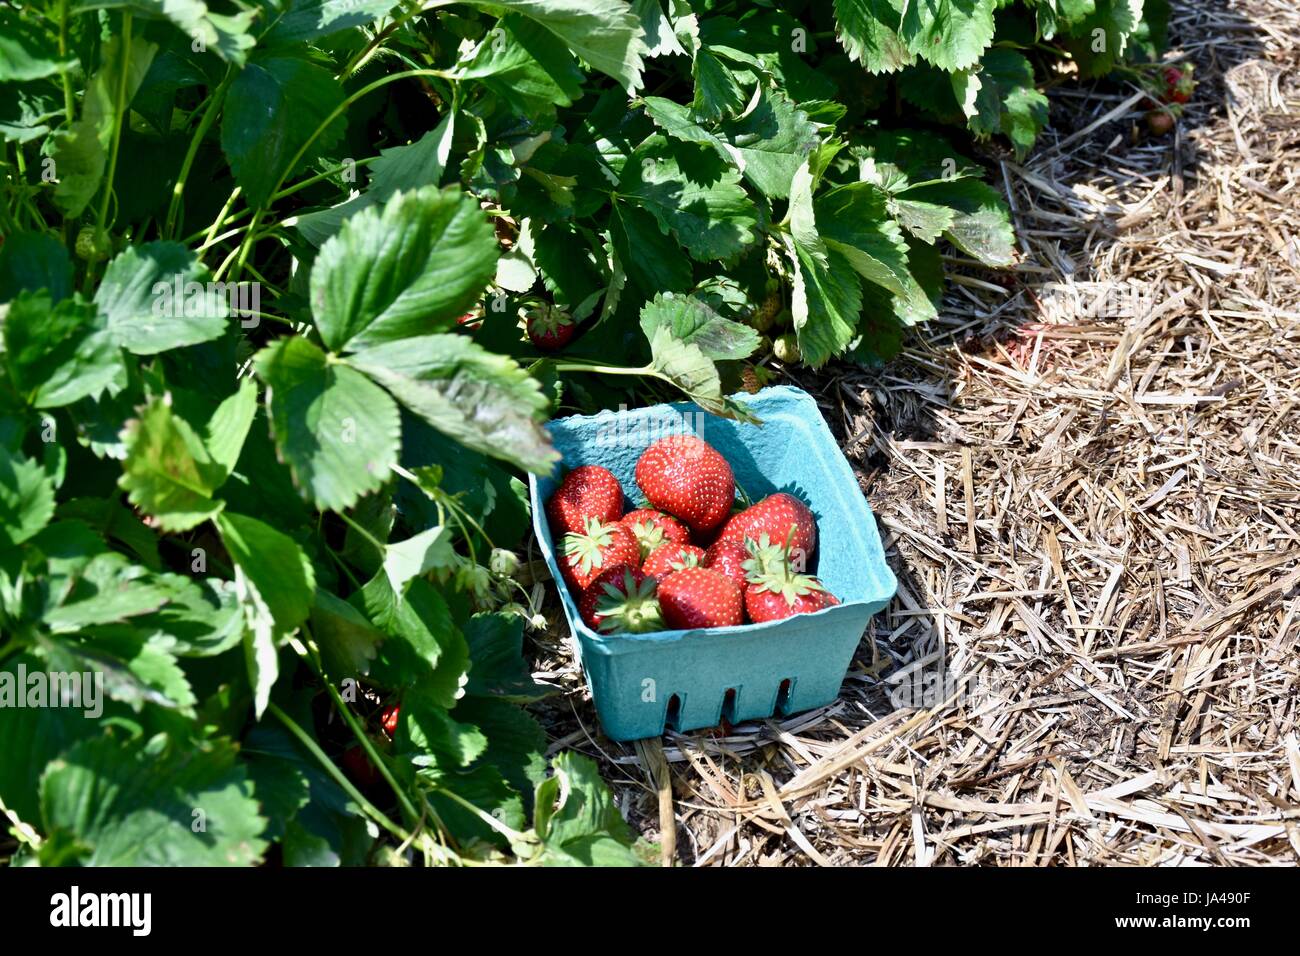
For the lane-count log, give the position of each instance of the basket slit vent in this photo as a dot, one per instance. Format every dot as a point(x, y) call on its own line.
point(674, 712)
point(729, 706)
point(783, 696)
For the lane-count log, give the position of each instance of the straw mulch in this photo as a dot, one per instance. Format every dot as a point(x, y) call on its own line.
point(1094, 514)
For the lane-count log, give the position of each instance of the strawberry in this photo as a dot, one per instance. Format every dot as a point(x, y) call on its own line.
point(686, 477)
point(653, 528)
point(698, 597)
point(672, 557)
point(588, 491)
point(1160, 122)
point(388, 719)
point(549, 328)
point(601, 546)
point(727, 558)
point(359, 768)
point(780, 593)
point(621, 601)
point(784, 519)
point(1178, 83)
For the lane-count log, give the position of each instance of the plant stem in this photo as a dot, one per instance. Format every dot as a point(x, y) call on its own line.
point(205, 124)
point(119, 114)
point(366, 806)
point(68, 104)
point(605, 369)
point(251, 238)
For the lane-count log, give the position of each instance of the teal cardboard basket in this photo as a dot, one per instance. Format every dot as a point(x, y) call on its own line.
point(691, 679)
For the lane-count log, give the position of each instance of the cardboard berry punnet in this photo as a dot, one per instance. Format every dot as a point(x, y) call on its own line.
point(688, 679)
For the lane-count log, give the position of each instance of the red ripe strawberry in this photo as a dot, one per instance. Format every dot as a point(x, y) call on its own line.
point(388, 718)
point(549, 328)
point(602, 546)
point(686, 477)
point(784, 519)
point(653, 528)
point(589, 491)
point(621, 601)
point(780, 593)
point(1178, 83)
point(727, 558)
point(359, 768)
point(672, 557)
point(698, 597)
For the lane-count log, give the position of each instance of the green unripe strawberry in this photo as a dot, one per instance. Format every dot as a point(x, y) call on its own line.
point(786, 348)
point(94, 244)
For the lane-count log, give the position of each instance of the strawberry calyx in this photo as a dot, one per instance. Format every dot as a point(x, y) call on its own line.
point(546, 319)
point(586, 549)
point(789, 584)
point(633, 610)
point(767, 558)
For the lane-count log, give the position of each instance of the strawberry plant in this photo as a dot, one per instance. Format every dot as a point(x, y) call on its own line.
point(288, 288)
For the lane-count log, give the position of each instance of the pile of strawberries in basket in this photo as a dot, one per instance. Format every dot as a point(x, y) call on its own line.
point(688, 560)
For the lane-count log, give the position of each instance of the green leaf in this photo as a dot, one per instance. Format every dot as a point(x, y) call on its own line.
point(1098, 40)
point(228, 427)
point(483, 787)
point(515, 741)
point(155, 297)
point(717, 91)
point(81, 154)
point(397, 168)
point(826, 301)
point(59, 354)
point(134, 671)
point(274, 107)
point(769, 142)
point(826, 298)
point(274, 564)
point(27, 52)
point(951, 34)
point(521, 64)
point(981, 224)
point(275, 584)
point(586, 813)
point(202, 620)
point(338, 432)
point(483, 400)
point(417, 555)
point(310, 19)
point(33, 736)
point(496, 645)
point(432, 733)
point(687, 367)
point(652, 259)
point(413, 267)
point(140, 804)
point(226, 35)
point(691, 192)
point(30, 261)
point(869, 30)
point(425, 652)
point(854, 222)
point(604, 33)
point(1004, 99)
point(168, 472)
point(692, 321)
point(347, 641)
point(26, 498)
